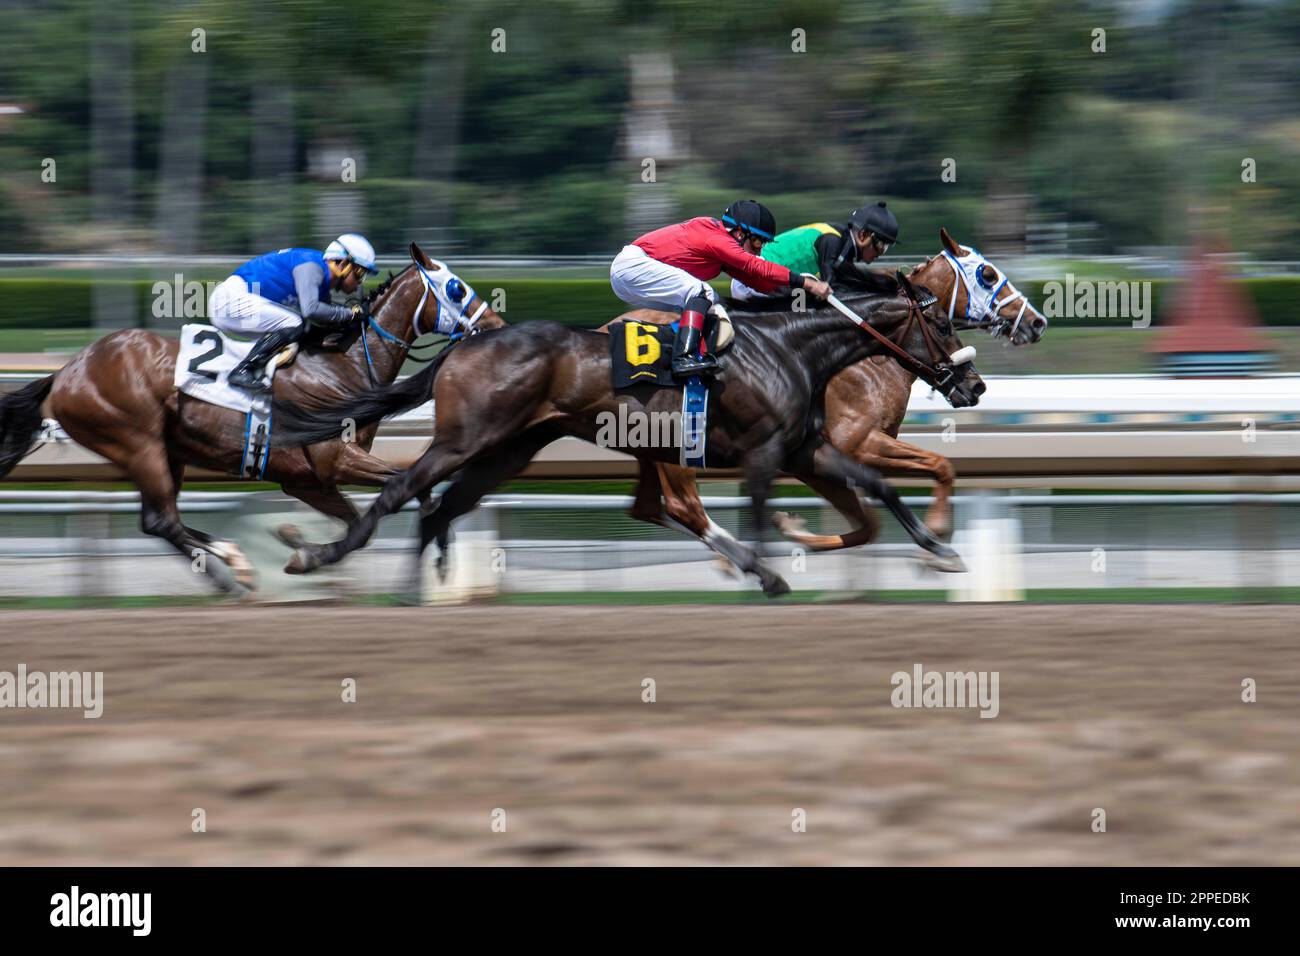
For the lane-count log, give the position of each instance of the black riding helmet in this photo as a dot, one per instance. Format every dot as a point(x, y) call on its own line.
point(751, 216)
point(877, 220)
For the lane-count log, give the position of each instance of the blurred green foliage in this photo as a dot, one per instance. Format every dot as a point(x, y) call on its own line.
point(524, 151)
point(59, 303)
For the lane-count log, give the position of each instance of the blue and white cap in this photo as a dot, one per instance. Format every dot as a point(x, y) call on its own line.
point(354, 247)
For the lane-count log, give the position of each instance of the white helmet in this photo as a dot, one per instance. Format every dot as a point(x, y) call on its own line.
point(355, 247)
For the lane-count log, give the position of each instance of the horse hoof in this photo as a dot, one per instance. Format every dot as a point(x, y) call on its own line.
point(950, 563)
point(776, 587)
point(790, 524)
point(291, 535)
point(301, 561)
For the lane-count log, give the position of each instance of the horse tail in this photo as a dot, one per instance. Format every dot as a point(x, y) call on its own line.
point(295, 425)
point(20, 421)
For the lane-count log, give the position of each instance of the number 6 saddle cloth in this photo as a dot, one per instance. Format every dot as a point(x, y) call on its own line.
point(205, 361)
point(641, 353)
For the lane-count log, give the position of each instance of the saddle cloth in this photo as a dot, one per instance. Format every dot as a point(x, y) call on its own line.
point(640, 353)
point(203, 366)
point(205, 361)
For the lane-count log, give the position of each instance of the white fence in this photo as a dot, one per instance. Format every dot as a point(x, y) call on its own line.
point(59, 544)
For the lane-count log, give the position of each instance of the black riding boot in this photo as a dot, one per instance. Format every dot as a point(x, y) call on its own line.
point(249, 373)
point(687, 359)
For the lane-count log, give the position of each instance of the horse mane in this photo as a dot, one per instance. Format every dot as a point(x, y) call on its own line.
point(384, 286)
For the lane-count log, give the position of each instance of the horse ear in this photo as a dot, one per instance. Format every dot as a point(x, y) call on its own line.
point(949, 243)
point(419, 258)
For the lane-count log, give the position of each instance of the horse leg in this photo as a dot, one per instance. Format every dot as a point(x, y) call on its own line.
point(760, 466)
point(891, 456)
point(158, 480)
point(648, 505)
point(231, 554)
point(682, 510)
point(325, 498)
point(895, 457)
point(846, 501)
point(467, 490)
point(826, 461)
point(447, 454)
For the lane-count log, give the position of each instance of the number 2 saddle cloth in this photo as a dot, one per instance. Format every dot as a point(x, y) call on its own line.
point(203, 365)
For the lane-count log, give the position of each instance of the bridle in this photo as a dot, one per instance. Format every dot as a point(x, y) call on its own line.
point(430, 285)
point(993, 306)
point(940, 371)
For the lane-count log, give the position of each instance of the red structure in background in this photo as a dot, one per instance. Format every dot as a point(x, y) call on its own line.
point(1210, 327)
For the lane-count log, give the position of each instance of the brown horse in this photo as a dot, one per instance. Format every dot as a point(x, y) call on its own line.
point(557, 379)
point(865, 407)
point(117, 397)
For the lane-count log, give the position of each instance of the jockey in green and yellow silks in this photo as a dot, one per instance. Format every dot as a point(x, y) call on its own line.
point(834, 253)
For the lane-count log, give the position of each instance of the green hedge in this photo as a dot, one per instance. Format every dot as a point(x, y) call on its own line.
point(38, 303)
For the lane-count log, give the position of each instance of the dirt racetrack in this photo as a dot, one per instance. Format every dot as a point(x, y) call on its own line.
point(759, 711)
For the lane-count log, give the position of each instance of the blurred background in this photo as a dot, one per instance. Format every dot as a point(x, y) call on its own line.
point(1147, 456)
point(147, 149)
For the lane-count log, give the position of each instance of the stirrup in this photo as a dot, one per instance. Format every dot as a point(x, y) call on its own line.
point(246, 378)
point(686, 365)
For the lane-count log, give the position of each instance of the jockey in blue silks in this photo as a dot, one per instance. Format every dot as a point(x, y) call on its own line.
point(274, 297)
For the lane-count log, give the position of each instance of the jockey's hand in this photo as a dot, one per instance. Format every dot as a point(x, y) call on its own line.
point(359, 311)
point(817, 287)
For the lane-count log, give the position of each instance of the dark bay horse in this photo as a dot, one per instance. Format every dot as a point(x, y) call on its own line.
point(865, 407)
point(501, 397)
point(117, 397)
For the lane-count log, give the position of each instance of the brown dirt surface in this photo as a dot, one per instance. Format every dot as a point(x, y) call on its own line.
point(760, 711)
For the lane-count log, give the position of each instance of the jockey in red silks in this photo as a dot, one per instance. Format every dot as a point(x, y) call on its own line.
point(669, 269)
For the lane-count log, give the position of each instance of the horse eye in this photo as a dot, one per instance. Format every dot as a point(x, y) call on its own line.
point(988, 274)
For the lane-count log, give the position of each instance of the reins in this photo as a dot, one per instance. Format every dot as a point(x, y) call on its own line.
point(409, 347)
point(940, 373)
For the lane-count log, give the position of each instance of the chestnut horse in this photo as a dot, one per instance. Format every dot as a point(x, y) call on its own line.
point(117, 397)
point(865, 407)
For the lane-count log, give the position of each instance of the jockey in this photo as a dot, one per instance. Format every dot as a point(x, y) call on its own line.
point(668, 270)
point(835, 253)
point(275, 295)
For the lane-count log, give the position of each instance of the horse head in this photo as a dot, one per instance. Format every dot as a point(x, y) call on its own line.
point(931, 339)
point(449, 305)
point(976, 294)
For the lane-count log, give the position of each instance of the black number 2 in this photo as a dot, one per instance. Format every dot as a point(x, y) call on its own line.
point(215, 352)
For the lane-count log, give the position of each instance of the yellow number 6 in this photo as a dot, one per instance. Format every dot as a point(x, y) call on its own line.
point(642, 346)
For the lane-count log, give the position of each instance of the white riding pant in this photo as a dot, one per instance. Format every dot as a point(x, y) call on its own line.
point(650, 284)
point(232, 308)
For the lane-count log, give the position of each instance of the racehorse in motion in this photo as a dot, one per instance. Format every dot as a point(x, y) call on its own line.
point(117, 397)
point(501, 397)
point(865, 406)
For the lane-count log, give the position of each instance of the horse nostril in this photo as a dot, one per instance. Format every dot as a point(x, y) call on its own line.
point(1039, 323)
point(978, 389)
